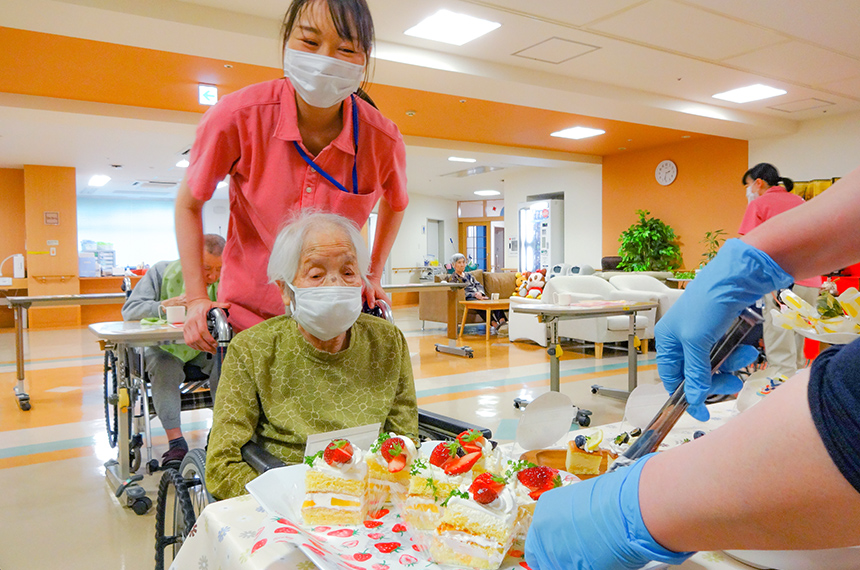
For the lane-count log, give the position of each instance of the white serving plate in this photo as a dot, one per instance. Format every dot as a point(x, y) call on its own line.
point(829, 559)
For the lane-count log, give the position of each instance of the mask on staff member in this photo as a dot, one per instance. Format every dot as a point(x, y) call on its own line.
point(320, 80)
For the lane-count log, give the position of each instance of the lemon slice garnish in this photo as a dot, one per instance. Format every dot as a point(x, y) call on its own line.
point(592, 443)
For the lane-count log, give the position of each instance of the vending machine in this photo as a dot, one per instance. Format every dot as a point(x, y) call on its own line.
point(541, 231)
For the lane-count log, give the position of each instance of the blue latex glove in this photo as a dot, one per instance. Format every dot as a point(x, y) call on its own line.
point(595, 525)
point(738, 276)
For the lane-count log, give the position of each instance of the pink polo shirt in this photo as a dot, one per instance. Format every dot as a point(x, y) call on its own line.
point(773, 202)
point(249, 135)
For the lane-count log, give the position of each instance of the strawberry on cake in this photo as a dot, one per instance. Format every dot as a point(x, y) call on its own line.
point(336, 485)
point(480, 523)
point(431, 482)
point(388, 465)
point(491, 460)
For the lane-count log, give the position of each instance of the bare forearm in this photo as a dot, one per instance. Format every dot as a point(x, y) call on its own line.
point(763, 481)
point(189, 239)
point(387, 225)
point(818, 237)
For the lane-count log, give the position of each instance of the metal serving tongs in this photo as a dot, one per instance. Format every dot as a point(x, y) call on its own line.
point(675, 406)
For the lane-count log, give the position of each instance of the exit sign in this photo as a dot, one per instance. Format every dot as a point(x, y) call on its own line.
point(207, 94)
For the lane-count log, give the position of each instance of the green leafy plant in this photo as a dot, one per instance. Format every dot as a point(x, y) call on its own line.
point(685, 274)
point(649, 245)
point(712, 242)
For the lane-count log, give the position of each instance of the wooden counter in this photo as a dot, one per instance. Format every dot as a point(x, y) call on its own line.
point(101, 313)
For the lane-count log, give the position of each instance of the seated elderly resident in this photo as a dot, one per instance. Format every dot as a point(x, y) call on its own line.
point(326, 367)
point(474, 290)
point(164, 286)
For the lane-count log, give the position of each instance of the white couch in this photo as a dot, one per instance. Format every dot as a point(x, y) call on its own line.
point(666, 296)
point(598, 330)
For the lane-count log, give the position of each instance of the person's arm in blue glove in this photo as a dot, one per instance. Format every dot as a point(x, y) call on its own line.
point(820, 236)
point(763, 481)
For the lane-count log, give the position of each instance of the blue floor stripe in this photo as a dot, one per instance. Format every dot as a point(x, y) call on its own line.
point(523, 379)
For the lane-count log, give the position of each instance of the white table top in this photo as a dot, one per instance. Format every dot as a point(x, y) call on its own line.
point(586, 308)
point(133, 333)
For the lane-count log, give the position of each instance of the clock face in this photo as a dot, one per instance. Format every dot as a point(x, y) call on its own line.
point(666, 172)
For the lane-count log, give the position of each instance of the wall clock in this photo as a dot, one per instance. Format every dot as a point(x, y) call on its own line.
point(666, 172)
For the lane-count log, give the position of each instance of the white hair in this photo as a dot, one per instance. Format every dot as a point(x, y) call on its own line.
point(457, 257)
point(287, 249)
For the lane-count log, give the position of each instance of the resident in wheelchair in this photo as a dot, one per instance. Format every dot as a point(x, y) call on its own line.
point(167, 366)
point(325, 366)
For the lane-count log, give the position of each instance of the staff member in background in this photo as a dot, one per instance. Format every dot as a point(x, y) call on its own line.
point(784, 474)
point(163, 286)
point(303, 141)
point(772, 196)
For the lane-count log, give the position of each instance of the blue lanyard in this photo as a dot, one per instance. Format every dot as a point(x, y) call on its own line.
point(325, 174)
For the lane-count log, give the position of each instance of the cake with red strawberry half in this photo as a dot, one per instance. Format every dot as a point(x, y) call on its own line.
point(480, 523)
point(491, 460)
point(529, 481)
point(336, 486)
point(432, 481)
point(388, 465)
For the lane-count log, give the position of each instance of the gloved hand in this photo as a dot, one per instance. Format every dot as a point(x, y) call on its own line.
point(738, 276)
point(595, 525)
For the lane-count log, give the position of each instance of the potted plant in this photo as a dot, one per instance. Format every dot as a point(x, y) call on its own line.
point(712, 242)
point(649, 245)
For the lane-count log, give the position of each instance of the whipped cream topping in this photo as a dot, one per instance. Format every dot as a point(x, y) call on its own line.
point(354, 469)
point(504, 508)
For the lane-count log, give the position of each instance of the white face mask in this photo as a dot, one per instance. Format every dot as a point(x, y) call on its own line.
point(320, 80)
point(326, 312)
point(751, 194)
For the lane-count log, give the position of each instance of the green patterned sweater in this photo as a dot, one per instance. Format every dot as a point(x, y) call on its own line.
point(276, 386)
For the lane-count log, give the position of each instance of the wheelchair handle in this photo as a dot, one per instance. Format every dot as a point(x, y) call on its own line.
point(219, 328)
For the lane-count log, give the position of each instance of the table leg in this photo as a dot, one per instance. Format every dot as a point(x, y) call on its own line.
point(487, 318)
point(552, 350)
point(632, 364)
point(20, 392)
point(452, 313)
point(463, 324)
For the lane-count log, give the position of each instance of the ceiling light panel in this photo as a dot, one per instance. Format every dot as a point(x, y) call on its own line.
point(487, 192)
point(577, 133)
point(451, 28)
point(461, 159)
point(555, 50)
point(750, 93)
point(99, 180)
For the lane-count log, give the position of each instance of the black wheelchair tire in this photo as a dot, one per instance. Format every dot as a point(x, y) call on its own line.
point(173, 501)
point(110, 397)
point(193, 471)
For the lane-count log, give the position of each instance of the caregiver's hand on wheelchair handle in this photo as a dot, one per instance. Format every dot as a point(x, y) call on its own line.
point(595, 525)
point(738, 276)
point(196, 330)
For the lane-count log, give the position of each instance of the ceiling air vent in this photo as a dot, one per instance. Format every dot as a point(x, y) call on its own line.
point(155, 185)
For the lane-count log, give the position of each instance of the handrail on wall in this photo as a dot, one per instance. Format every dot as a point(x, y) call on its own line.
point(45, 278)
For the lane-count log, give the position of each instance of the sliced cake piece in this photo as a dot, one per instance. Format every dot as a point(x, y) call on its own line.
point(388, 465)
point(336, 486)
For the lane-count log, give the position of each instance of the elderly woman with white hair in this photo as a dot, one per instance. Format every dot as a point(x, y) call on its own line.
point(325, 367)
point(474, 290)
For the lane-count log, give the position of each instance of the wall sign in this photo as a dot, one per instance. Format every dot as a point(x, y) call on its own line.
point(52, 218)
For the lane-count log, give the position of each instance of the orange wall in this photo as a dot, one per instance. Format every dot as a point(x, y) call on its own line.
point(707, 195)
point(11, 229)
point(51, 189)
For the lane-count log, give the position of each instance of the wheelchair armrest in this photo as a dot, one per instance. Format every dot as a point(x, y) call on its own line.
point(437, 426)
point(258, 458)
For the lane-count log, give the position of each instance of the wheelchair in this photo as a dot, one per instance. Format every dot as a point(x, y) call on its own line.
point(182, 493)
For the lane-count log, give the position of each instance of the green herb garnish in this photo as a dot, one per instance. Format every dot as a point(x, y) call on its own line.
point(309, 459)
point(455, 493)
point(383, 437)
point(517, 466)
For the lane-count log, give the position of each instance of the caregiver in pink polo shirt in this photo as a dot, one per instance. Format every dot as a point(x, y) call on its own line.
point(304, 141)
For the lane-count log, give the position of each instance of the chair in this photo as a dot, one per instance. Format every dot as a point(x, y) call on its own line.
point(598, 330)
point(666, 296)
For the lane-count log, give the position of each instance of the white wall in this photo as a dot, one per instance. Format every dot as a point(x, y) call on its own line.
point(583, 198)
point(823, 148)
point(215, 216)
point(410, 247)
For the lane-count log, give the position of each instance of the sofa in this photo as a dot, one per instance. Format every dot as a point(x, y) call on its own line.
point(433, 305)
point(661, 276)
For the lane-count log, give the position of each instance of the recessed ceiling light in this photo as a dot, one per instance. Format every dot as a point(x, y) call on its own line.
point(578, 133)
point(182, 163)
point(98, 180)
point(222, 184)
point(460, 159)
point(451, 28)
point(487, 192)
point(750, 93)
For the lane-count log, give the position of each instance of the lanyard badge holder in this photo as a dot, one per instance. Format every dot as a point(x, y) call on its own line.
point(325, 174)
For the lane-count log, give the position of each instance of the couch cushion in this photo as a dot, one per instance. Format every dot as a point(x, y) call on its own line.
point(622, 323)
point(501, 283)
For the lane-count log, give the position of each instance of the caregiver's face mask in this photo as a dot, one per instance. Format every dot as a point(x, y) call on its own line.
point(751, 194)
point(326, 312)
point(320, 80)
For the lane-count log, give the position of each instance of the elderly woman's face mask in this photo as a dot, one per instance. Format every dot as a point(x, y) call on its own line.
point(327, 287)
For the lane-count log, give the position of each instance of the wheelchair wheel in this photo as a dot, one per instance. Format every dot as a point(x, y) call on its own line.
point(111, 399)
point(174, 517)
point(193, 472)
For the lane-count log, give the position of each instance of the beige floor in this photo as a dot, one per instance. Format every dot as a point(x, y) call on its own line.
point(56, 510)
